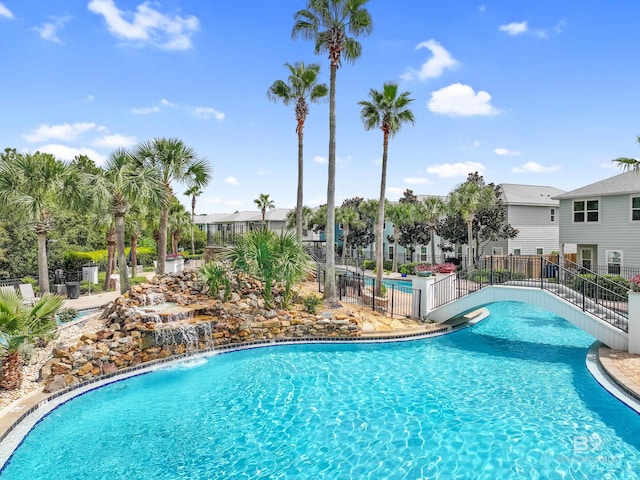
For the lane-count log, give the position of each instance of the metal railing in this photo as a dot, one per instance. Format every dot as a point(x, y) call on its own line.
point(353, 287)
point(591, 293)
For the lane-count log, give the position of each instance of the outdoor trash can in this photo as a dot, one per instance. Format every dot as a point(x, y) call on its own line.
point(551, 271)
point(73, 290)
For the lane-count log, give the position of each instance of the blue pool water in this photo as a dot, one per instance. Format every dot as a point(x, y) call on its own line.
point(400, 285)
point(507, 398)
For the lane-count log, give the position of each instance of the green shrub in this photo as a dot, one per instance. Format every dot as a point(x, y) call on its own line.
point(67, 315)
point(215, 275)
point(311, 303)
point(369, 264)
point(26, 352)
point(484, 275)
point(603, 287)
point(85, 287)
point(145, 256)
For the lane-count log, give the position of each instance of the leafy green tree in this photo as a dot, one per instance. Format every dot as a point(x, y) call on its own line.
point(387, 111)
point(415, 232)
point(328, 23)
point(349, 218)
point(20, 323)
point(179, 223)
point(118, 186)
point(482, 204)
point(264, 203)
point(195, 191)
point(629, 164)
point(302, 85)
point(36, 184)
point(176, 163)
point(307, 213)
point(432, 209)
point(400, 214)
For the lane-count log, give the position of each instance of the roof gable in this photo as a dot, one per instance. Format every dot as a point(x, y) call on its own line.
point(628, 182)
point(515, 194)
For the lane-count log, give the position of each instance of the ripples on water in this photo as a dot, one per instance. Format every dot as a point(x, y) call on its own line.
point(507, 398)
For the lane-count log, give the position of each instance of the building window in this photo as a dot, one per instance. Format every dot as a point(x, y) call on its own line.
point(553, 215)
point(539, 251)
point(586, 211)
point(517, 251)
point(635, 209)
point(614, 261)
point(390, 252)
point(423, 254)
point(496, 251)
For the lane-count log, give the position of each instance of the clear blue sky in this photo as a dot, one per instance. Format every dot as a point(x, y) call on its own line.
point(541, 92)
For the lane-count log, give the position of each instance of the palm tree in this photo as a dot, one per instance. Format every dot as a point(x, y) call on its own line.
point(37, 184)
point(175, 162)
point(195, 191)
point(179, 222)
point(400, 214)
point(264, 202)
point(302, 85)
point(328, 23)
point(349, 218)
point(431, 209)
point(20, 323)
point(307, 213)
point(629, 164)
point(469, 199)
point(119, 185)
point(387, 111)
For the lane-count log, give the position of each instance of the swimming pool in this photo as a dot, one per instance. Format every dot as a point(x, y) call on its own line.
point(507, 398)
point(405, 286)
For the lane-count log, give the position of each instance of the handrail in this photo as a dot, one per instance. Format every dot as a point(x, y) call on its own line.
point(593, 296)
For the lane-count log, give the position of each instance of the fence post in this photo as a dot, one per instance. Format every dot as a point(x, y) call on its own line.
point(318, 276)
point(542, 272)
point(393, 290)
point(491, 270)
point(373, 295)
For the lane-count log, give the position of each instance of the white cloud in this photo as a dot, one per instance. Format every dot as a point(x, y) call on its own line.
point(145, 110)
point(417, 181)
point(319, 159)
point(231, 181)
point(5, 12)
point(460, 169)
point(534, 167)
point(433, 67)
point(378, 161)
point(65, 131)
point(49, 30)
point(482, 9)
point(147, 26)
point(64, 152)
point(167, 103)
point(394, 192)
point(114, 141)
point(263, 171)
point(476, 143)
point(514, 28)
point(461, 100)
point(505, 151)
point(206, 112)
point(90, 99)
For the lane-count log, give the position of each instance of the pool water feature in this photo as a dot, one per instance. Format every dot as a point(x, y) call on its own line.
point(509, 397)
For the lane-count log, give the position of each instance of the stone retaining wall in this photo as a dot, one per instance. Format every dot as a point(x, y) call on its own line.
point(130, 336)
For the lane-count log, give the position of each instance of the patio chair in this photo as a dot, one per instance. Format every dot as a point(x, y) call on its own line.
point(7, 289)
point(26, 290)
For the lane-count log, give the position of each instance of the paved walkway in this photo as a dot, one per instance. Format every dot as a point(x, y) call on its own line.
point(96, 300)
point(624, 367)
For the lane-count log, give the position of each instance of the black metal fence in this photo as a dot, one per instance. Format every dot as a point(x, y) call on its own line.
point(599, 295)
point(398, 298)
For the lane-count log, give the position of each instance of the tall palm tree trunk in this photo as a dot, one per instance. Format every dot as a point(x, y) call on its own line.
point(380, 223)
point(11, 373)
point(111, 248)
point(134, 254)
point(330, 273)
point(300, 181)
point(43, 269)
point(122, 259)
point(162, 239)
point(432, 233)
point(470, 260)
point(193, 214)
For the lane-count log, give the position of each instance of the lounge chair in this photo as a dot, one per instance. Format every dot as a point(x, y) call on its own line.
point(7, 289)
point(26, 290)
